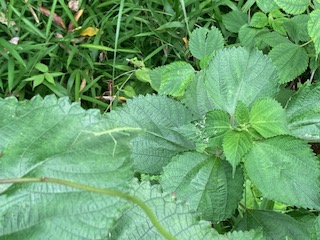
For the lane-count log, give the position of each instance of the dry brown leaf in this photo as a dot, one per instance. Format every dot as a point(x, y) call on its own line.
point(77, 15)
point(56, 18)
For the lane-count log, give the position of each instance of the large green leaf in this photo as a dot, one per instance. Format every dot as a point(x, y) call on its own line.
point(239, 74)
point(203, 42)
point(234, 20)
point(160, 117)
point(303, 113)
point(235, 145)
point(175, 216)
point(284, 169)
point(217, 124)
point(52, 138)
point(250, 37)
point(290, 59)
point(206, 183)
point(172, 79)
point(196, 97)
point(266, 5)
point(274, 225)
point(269, 118)
point(314, 29)
point(297, 28)
point(293, 6)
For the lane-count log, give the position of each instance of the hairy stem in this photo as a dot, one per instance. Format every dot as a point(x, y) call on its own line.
point(109, 192)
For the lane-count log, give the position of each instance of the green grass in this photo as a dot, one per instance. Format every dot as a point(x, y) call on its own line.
point(96, 68)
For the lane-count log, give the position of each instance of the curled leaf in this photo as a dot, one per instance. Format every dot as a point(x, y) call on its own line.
point(77, 16)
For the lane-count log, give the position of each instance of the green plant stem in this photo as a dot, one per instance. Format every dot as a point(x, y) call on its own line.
point(109, 192)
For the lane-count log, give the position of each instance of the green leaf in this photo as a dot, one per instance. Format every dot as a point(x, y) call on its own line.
point(42, 67)
point(293, 6)
point(242, 114)
point(11, 48)
point(284, 169)
point(206, 183)
point(173, 24)
point(235, 146)
point(160, 117)
point(239, 74)
point(291, 60)
point(303, 113)
point(273, 39)
point(274, 225)
point(175, 78)
point(234, 20)
point(297, 28)
point(53, 138)
point(269, 118)
point(243, 235)
point(314, 28)
point(175, 216)
point(278, 24)
point(143, 74)
point(258, 20)
point(217, 124)
point(196, 97)
point(249, 36)
point(49, 78)
point(37, 80)
point(172, 79)
point(266, 5)
point(203, 42)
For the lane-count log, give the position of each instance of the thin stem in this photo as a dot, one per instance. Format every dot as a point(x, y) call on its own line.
point(267, 204)
point(109, 192)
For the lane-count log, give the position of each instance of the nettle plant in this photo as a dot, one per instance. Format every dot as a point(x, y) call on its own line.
point(233, 162)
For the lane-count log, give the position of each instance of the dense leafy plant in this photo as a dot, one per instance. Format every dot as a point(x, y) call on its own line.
point(220, 152)
point(230, 157)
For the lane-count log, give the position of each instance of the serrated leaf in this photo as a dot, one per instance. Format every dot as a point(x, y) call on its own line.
point(284, 169)
point(206, 183)
point(297, 28)
point(273, 38)
point(242, 113)
point(175, 78)
point(175, 216)
point(303, 113)
point(274, 225)
point(239, 74)
point(278, 24)
point(217, 124)
point(196, 97)
point(160, 117)
point(268, 118)
point(293, 6)
point(235, 146)
point(290, 59)
point(258, 20)
point(249, 36)
point(171, 79)
point(203, 42)
point(53, 138)
point(244, 235)
point(314, 29)
point(234, 20)
point(266, 5)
